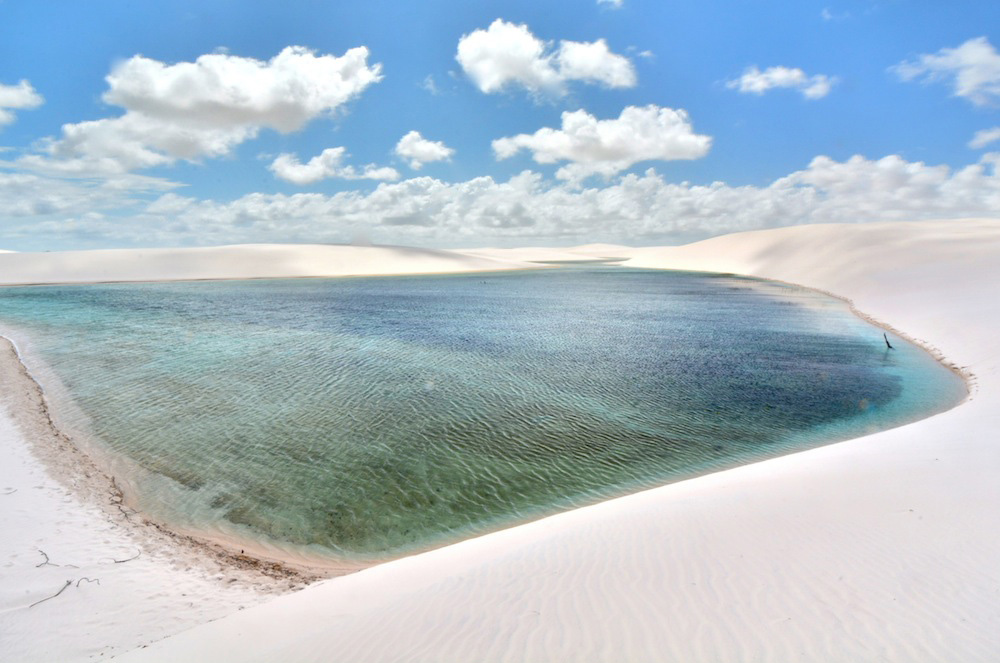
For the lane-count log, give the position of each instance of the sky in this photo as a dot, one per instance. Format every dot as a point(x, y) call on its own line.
point(473, 124)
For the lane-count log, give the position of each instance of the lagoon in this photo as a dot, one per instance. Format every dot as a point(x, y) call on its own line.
point(365, 418)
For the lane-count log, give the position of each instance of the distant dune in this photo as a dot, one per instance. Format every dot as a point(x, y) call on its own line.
point(236, 262)
point(546, 254)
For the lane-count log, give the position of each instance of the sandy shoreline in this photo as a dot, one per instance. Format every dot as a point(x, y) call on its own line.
point(110, 544)
point(738, 565)
point(73, 466)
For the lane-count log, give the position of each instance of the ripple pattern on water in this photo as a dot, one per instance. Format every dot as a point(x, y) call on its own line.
point(372, 416)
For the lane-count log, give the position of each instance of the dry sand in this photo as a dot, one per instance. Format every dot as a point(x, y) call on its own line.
point(243, 261)
point(541, 254)
point(883, 548)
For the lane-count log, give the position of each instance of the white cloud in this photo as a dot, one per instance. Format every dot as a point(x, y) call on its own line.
point(594, 62)
point(324, 166)
point(606, 147)
point(973, 68)
point(637, 208)
point(429, 85)
point(828, 15)
point(36, 198)
point(755, 81)
point(616, 4)
point(526, 209)
point(17, 97)
point(506, 53)
point(509, 54)
point(192, 110)
point(130, 142)
point(419, 150)
point(223, 91)
point(984, 137)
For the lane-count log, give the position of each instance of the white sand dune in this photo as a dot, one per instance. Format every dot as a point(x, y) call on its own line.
point(242, 261)
point(881, 548)
point(603, 250)
point(546, 254)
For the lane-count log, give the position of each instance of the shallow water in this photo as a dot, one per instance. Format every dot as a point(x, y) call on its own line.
point(366, 417)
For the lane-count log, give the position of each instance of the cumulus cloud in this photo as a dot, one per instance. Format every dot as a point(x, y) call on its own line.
point(328, 164)
point(220, 90)
point(192, 110)
point(37, 211)
point(130, 142)
point(984, 137)
point(527, 208)
point(973, 69)
point(755, 81)
point(509, 54)
point(419, 150)
point(606, 147)
point(893, 188)
point(17, 97)
point(641, 208)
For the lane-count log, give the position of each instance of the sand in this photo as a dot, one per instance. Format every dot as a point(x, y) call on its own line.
point(542, 254)
point(883, 548)
point(244, 261)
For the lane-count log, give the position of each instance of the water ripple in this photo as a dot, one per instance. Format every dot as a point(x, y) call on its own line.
point(372, 416)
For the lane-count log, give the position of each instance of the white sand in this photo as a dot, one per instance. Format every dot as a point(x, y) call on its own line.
point(884, 548)
point(129, 585)
point(541, 254)
point(244, 261)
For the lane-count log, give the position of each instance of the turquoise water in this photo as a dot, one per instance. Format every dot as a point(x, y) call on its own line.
point(362, 418)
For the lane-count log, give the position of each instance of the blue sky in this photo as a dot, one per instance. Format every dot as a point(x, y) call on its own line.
point(563, 122)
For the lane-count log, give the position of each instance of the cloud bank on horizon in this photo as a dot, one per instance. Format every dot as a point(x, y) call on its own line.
point(525, 129)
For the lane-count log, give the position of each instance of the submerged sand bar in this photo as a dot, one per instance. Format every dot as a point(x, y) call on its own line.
point(880, 548)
